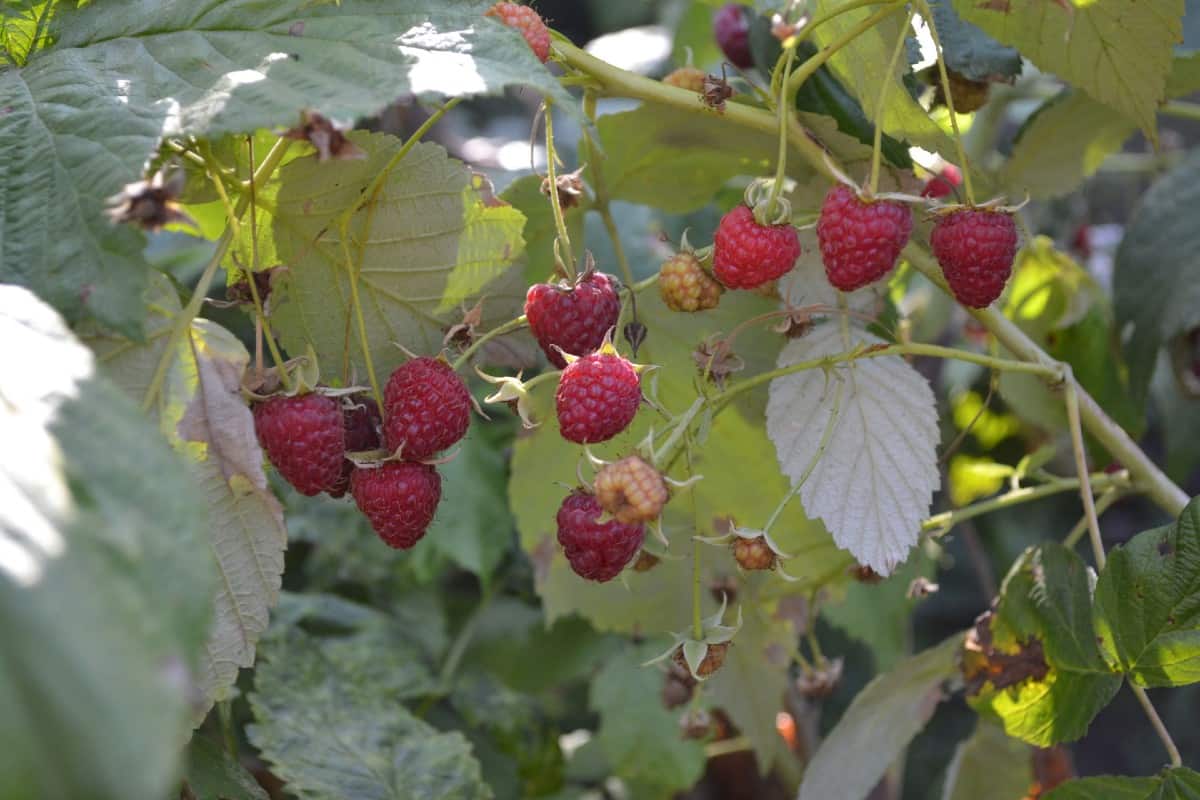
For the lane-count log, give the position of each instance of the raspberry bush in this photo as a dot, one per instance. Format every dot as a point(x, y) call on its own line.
point(401, 400)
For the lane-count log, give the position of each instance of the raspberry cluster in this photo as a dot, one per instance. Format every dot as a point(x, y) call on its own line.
point(307, 437)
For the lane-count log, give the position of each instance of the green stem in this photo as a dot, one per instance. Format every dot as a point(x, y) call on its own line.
point(927, 14)
point(183, 320)
point(666, 453)
point(837, 11)
point(1178, 108)
point(784, 110)
point(259, 309)
point(508, 327)
point(228, 734)
point(885, 87)
point(1157, 723)
point(1102, 504)
point(1053, 373)
point(1026, 494)
point(814, 62)
point(567, 258)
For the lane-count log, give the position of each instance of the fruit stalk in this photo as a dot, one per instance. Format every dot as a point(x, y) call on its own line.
point(567, 258)
point(600, 202)
point(500, 330)
point(815, 62)
point(885, 87)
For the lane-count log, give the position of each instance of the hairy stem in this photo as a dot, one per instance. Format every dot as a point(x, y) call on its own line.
point(183, 320)
point(784, 110)
point(885, 87)
point(601, 202)
point(566, 254)
point(1102, 504)
point(814, 63)
point(1157, 723)
point(259, 309)
point(1026, 494)
point(500, 330)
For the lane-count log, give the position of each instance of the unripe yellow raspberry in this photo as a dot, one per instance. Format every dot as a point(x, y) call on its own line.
point(631, 490)
point(686, 78)
point(685, 286)
point(753, 554)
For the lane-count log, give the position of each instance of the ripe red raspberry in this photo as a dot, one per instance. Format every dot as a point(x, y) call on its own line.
point(714, 657)
point(731, 29)
point(303, 438)
point(572, 318)
point(944, 183)
point(860, 240)
point(753, 554)
point(528, 22)
point(597, 398)
point(975, 247)
point(685, 286)
point(428, 408)
point(361, 423)
point(631, 490)
point(399, 498)
point(596, 550)
point(746, 254)
point(686, 78)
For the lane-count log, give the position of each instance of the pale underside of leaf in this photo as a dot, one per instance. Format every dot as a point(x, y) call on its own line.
point(874, 484)
point(201, 413)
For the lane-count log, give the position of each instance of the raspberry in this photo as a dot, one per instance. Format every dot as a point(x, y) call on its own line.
point(528, 22)
point(753, 554)
point(686, 78)
point(731, 29)
point(596, 550)
point(944, 183)
point(860, 240)
point(361, 424)
point(572, 318)
point(428, 408)
point(714, 657)
point(685, 286)
point(631, 490)
point(746, 254)
point(597, 398)
point(303, 438)
point(975, 247)
point(399, 498)
point(678, 686)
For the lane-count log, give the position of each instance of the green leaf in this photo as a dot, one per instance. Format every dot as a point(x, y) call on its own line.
point(474, 528)
point(201, 413)
point(738, 482)
point(426, 226)
point(327, 719)
point(676, 162)
point(1046, 602)
point(859, 66)
point(1062, 143)
point(1185, 75)
point(989, 766)
point(24, 29)
point(1156, 278)
point(1148, 604)
point(1173, 784)
point(105, 579)
point(1118, 51)
point(90, 110)
point(640, 737)
point(213, 774)
point(971, 52)
point(879, 724)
